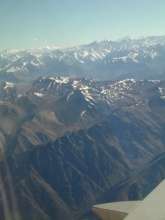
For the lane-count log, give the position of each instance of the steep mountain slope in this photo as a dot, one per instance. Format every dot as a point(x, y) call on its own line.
point(140, 184)
point(67, 141)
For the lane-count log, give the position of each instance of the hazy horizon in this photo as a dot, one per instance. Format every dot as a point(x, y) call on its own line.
point(64, 23)
point(55, 46)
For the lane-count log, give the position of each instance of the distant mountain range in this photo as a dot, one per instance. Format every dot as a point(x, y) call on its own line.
point(106, 60)
point(68, 142)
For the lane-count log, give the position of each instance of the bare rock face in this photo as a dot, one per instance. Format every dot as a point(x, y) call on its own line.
point(140, 184)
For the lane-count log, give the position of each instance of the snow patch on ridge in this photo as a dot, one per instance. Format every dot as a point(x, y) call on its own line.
point(38, 94)
point(8, 85)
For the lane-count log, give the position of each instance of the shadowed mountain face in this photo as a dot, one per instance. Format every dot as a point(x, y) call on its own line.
point(105, 60)
point(140, 184)
point(67, 142)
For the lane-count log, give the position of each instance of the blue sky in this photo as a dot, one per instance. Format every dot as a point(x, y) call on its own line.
point(37, 23)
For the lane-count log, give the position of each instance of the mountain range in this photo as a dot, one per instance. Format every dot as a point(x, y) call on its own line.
point(69, 142)
point(106, 60)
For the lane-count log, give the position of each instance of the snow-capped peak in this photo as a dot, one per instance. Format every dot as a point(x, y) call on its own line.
point(8, 85)
point(60, 80)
